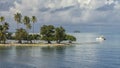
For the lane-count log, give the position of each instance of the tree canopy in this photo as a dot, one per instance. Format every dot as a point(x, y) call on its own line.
point(47, 32)
point(50, 33)
point(59, 34)
point(20, 34)
point(70, 38)
point(3, 30)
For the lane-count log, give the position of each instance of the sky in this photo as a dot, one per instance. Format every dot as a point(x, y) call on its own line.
point(82, 15)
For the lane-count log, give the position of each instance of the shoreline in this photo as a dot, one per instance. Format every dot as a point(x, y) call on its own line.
point(40, 44)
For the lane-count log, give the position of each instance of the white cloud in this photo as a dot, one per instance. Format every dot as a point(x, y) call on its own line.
point(109, 1)
point(66, 11)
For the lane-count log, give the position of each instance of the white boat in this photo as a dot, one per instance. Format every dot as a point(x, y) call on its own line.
point(101, 38)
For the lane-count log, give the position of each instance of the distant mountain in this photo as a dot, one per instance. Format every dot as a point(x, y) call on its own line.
point(76, 31)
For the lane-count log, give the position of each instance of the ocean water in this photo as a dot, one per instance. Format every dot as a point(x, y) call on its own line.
point(87, 53)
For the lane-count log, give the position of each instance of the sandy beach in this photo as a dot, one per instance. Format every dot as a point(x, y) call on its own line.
point(41, 44)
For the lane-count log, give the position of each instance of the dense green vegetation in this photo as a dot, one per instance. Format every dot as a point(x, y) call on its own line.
point(50, 33)
point(70, 38)
point(21, 34)
point(47, 33)
point(4, 26)
point(60, 34)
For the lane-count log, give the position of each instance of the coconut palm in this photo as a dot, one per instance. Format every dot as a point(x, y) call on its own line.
point(3, 30)
point(34, 19)
point(18, 18)
point(2, 37)
point(1, 33)
point(26, 21)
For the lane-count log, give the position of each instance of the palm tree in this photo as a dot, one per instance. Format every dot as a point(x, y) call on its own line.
point(26, 21)
point(34, 19)
point(2, 19)
point(18, 18)
point(3, 31)
point(2, 37)
point(5, 28)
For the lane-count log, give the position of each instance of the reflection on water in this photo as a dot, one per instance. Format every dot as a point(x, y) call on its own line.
point(100, 55)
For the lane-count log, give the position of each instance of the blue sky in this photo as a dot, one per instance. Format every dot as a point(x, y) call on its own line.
point(83, 15)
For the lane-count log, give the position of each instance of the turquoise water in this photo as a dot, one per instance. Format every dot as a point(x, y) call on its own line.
point(83, 55)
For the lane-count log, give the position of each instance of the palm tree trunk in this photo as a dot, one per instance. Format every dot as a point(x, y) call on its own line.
point(4, 41)
point(28, 34)
point(33, 34)
point(49, 42)
point(0, 40)
point(31, 41)
point(58, 41)
point(19, 41)
point(70, 41)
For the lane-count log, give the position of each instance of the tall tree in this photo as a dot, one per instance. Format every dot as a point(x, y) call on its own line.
point(17, 18)
point(3, 32)
point(20, 34)
point(36, 37)
point(2, 19)
point(47, 33)
point(26, 21)
point(59, 34)
point(5, 28)
point(34, 19)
